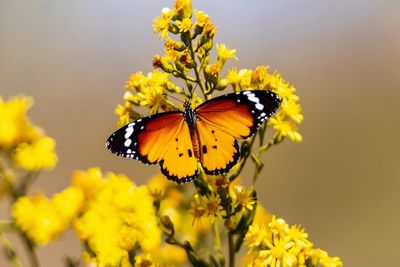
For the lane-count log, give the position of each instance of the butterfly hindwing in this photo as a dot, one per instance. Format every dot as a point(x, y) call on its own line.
point(162, 138)
point(179, 162)
point(219, 151)
point(239, 114)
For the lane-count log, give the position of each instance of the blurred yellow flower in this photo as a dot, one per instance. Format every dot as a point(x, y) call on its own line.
point(44, 220)
point(201, 18)
point(224, 53)
point(15, 126)
point(292, 110)
point(37, 155)
point(119, 212)
point(183, 8)
point(185, 25)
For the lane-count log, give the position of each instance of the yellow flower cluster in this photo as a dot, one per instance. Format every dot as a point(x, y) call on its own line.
point(276, 244)
point(149, 91)
point(43, 219)
point(23, 141)
point(117, 218)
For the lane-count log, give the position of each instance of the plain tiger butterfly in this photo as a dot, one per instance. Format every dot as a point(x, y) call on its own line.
point(208, 134)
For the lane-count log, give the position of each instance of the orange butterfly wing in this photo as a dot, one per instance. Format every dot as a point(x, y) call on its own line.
point(162, 138)
point(223, 119)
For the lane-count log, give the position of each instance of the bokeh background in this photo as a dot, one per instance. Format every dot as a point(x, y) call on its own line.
point(342, 183)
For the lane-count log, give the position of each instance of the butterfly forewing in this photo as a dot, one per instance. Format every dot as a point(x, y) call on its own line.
point(239, 114)
point(162, 138)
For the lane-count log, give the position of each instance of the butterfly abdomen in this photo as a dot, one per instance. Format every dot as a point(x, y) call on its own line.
point(195, 142)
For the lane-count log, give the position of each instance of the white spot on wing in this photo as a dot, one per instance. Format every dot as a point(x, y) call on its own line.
point(128, 132)
point(259, 106)
point(127, 142)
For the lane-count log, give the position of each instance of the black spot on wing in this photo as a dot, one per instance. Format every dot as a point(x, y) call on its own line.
point(229, 165)
point(175, 178)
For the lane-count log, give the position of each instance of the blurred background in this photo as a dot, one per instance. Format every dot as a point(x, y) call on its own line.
point(342, 183)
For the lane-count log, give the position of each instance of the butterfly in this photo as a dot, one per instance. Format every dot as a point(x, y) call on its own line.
point(208, 134)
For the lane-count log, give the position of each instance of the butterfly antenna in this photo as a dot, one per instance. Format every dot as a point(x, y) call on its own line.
point(177, 99)
point(194, 89)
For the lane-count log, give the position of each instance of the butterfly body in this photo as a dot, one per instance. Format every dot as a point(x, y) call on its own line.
point(179, 140)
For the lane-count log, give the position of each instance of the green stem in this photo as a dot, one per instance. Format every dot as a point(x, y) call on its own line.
point(231, 250)
point(31, 250)
point(197, 71)
point(9, 249)
point(217, 238)
point(243, 160)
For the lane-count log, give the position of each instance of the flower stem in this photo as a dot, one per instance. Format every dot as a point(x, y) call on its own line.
point(31, 250)
point(197, 71)
point(9, 249)
point(231, 250)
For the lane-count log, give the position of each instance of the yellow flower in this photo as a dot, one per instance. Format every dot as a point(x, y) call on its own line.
point(278, 226)
point(281, 87)
point(153, 98)
point(185, 25)
point(224, 53)
point(198, 209)
point(15, 127)
point(256, 234)
point(183, 8)
point(285, 128)
point(242, 197)
point(211, 72)
point(119, 212)
point(39, 219)
point(239, 79)
point(292, 110)
point(201, 18)
point(258, 76)
point(162, 23)
point(69, 202)
point(90, 182)
point(319, 256)
point(126, 114)
point(299, 236)
point(136, 81)
point(206, 207)
point(36, 156)
point(279, 253)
